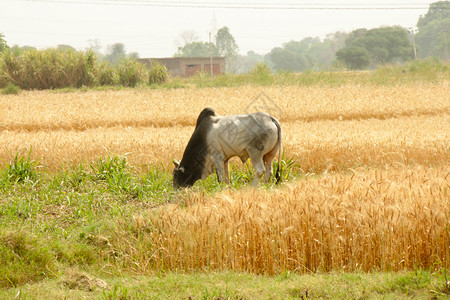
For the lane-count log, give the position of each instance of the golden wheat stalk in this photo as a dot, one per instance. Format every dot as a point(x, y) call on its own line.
point(376, 220)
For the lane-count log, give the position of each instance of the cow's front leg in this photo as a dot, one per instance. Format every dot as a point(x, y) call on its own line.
point(221, 168)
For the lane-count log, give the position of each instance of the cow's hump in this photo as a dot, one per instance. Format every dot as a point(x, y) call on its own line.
point(205, 113)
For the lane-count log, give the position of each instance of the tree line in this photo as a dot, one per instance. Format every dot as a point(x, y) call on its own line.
point(359, 49)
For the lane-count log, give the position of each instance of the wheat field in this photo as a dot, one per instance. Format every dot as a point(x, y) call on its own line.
point(322, 127)
point(373, 192)
point(376, 220)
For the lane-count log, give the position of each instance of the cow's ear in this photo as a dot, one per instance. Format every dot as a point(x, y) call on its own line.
point(176, 162)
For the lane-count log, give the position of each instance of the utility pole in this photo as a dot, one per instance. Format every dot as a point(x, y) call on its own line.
point(412, 31)
point(445, 44)
point(210, 55)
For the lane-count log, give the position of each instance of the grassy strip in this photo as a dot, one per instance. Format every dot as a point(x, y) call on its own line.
point(54, 69)
point(430, 70)
point(75, 284)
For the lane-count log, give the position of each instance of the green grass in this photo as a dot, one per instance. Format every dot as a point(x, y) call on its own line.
point(24, 258)
point(77, 284)
point(11, 89)
point(430, 70)
point(21, 169)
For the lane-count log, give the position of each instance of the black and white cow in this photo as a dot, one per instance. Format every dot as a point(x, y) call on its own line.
point(216, 139)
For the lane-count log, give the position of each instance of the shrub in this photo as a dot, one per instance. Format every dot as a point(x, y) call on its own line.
point(11, 89)
point(203, 79)
point(158, 73)
point(426, 66)
point(261, 74)
point(131, 72)
point(4, 80)
point(49, 69)
point(106, 75)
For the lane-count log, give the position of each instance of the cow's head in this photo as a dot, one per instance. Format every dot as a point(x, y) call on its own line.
point(181, 176)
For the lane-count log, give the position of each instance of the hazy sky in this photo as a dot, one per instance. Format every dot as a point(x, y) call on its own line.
point(152, 28)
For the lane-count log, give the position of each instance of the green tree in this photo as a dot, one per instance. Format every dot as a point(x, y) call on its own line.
point(354, 35)
point(248, 62)
point(383, 45)
point(433, 37)
point(197, 49)
point(227, 47)
point(437, 11)
point(115, 53)
point(293, 56)
point(354, 57)
point(94, 46)
point(288, 60)
point(133, 55)
point(323, 53)
point(187, 37)
point(307, 53)
point(3, 44)
point(386, 44)
point(16, 48)
point(301, 46)
point(225, 43)
point(63, 47)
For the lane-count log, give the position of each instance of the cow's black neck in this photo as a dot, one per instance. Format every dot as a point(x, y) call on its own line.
point(194, 157)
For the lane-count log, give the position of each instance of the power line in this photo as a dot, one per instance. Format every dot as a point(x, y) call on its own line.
point(248, 5)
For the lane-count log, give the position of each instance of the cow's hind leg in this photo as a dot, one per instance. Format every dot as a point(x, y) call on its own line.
point(268, 159)
point(227, 178)
point(258, 165)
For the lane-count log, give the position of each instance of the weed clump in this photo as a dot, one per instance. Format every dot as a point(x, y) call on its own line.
point(22, 169)
point(23, 258)
point(115, 172)
point(11, 89)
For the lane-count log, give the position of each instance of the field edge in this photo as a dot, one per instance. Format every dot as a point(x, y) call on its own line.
point(419, 284)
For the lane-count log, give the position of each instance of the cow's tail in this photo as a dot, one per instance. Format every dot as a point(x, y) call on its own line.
point(278, 171)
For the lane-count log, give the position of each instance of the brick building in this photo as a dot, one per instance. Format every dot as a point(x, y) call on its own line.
point(189, 66)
